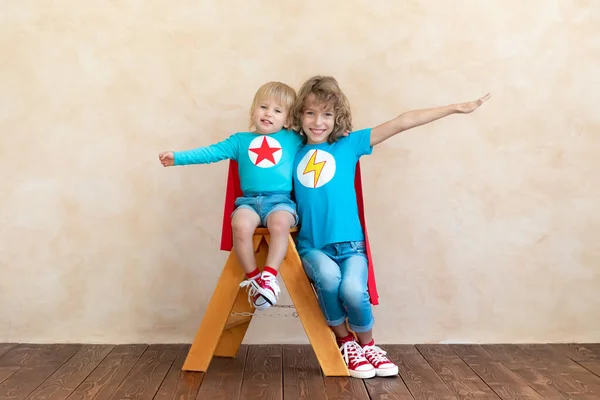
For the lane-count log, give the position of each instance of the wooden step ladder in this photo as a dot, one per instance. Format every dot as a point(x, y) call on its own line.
point(223, 327)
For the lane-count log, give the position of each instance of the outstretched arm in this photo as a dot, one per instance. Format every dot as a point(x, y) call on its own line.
point(414, 118)
point(202, 155)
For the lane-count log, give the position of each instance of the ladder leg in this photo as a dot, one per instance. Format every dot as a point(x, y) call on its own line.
point(303, 296)
point(216, 315)
point(236, 326)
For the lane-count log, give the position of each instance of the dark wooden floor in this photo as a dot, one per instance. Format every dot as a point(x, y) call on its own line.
point(73, 371)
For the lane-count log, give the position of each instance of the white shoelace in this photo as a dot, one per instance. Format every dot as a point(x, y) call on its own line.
point(252, 291)
point(271, 280)
point(351, 351)
point(376, 353)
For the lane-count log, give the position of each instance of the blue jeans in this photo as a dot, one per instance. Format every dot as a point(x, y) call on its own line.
point(339, 273)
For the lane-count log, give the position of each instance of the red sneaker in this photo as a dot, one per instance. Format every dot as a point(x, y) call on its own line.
point(358, 365)
point(383, 366)
point(268, 287)
point(262, 291)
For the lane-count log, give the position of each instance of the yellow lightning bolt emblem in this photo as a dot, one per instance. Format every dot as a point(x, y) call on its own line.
point(311, 166)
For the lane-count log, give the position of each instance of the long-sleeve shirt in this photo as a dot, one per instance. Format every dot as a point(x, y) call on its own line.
point(265, 162)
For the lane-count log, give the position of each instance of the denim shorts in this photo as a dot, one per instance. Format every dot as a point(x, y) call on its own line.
point(265, 204)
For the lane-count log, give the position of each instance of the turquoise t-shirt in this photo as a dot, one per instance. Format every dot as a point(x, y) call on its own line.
point(325, 193)
point(265, 162)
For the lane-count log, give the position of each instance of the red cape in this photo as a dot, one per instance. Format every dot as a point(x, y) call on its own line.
point(234, 191)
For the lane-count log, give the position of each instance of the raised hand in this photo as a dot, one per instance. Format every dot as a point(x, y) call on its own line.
point(166, 158)
point(468, 107)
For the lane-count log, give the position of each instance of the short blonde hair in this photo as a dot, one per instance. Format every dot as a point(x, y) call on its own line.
point(326, 90)
point(283, 94)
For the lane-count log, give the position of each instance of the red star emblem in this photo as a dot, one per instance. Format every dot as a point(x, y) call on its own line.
point(264, 152)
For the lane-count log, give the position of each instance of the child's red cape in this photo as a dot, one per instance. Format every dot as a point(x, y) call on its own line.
point(234, 191)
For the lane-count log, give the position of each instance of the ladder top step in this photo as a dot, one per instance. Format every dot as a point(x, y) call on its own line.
point(264, 231)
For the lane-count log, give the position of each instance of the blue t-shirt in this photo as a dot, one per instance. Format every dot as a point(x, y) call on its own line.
point(325, 193)
point(265, 162)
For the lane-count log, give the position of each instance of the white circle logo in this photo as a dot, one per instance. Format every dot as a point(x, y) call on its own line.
point(264, 151)
point(316, 168)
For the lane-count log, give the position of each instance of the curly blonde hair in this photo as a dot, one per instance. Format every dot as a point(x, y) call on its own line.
point(326, 90)
point(283, 94)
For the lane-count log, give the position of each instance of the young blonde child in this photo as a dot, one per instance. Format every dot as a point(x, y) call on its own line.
point(265, 157)
point(331, 240)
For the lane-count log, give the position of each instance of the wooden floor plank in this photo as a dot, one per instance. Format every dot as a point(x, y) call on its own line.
point(70, 375)
point(508, 353)
point(420, 378)
point(6, 372)
point(262, 373)
point(388, 388)
point(223, 380)
point(587, 355)
point(592, 366)
point(576, 380)
point(547, 353)
point(108, 375)
point(36, 364)
point(5, 347)
point(522, 364)
point(548, 371)
point(146, 376)
point(302, 376)
point(579, 352)
point(456, 374)
point(26, 355)
point(178, 384)
point(558, 382)
point(338, 388)
point(505, 383)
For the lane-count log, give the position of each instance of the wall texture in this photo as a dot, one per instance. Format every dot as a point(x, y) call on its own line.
point(484, 227)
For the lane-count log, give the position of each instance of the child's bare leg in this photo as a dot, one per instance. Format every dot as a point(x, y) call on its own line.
point(244, 223)
point(365, 337)
point(279, 224)
point(341, 331)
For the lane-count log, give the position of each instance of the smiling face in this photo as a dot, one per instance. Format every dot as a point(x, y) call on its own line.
point(321, 112)
point(270, 109)
point(269, 117)
point(318, 120)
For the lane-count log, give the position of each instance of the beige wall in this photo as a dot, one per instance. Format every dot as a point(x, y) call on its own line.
point(484, 227)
